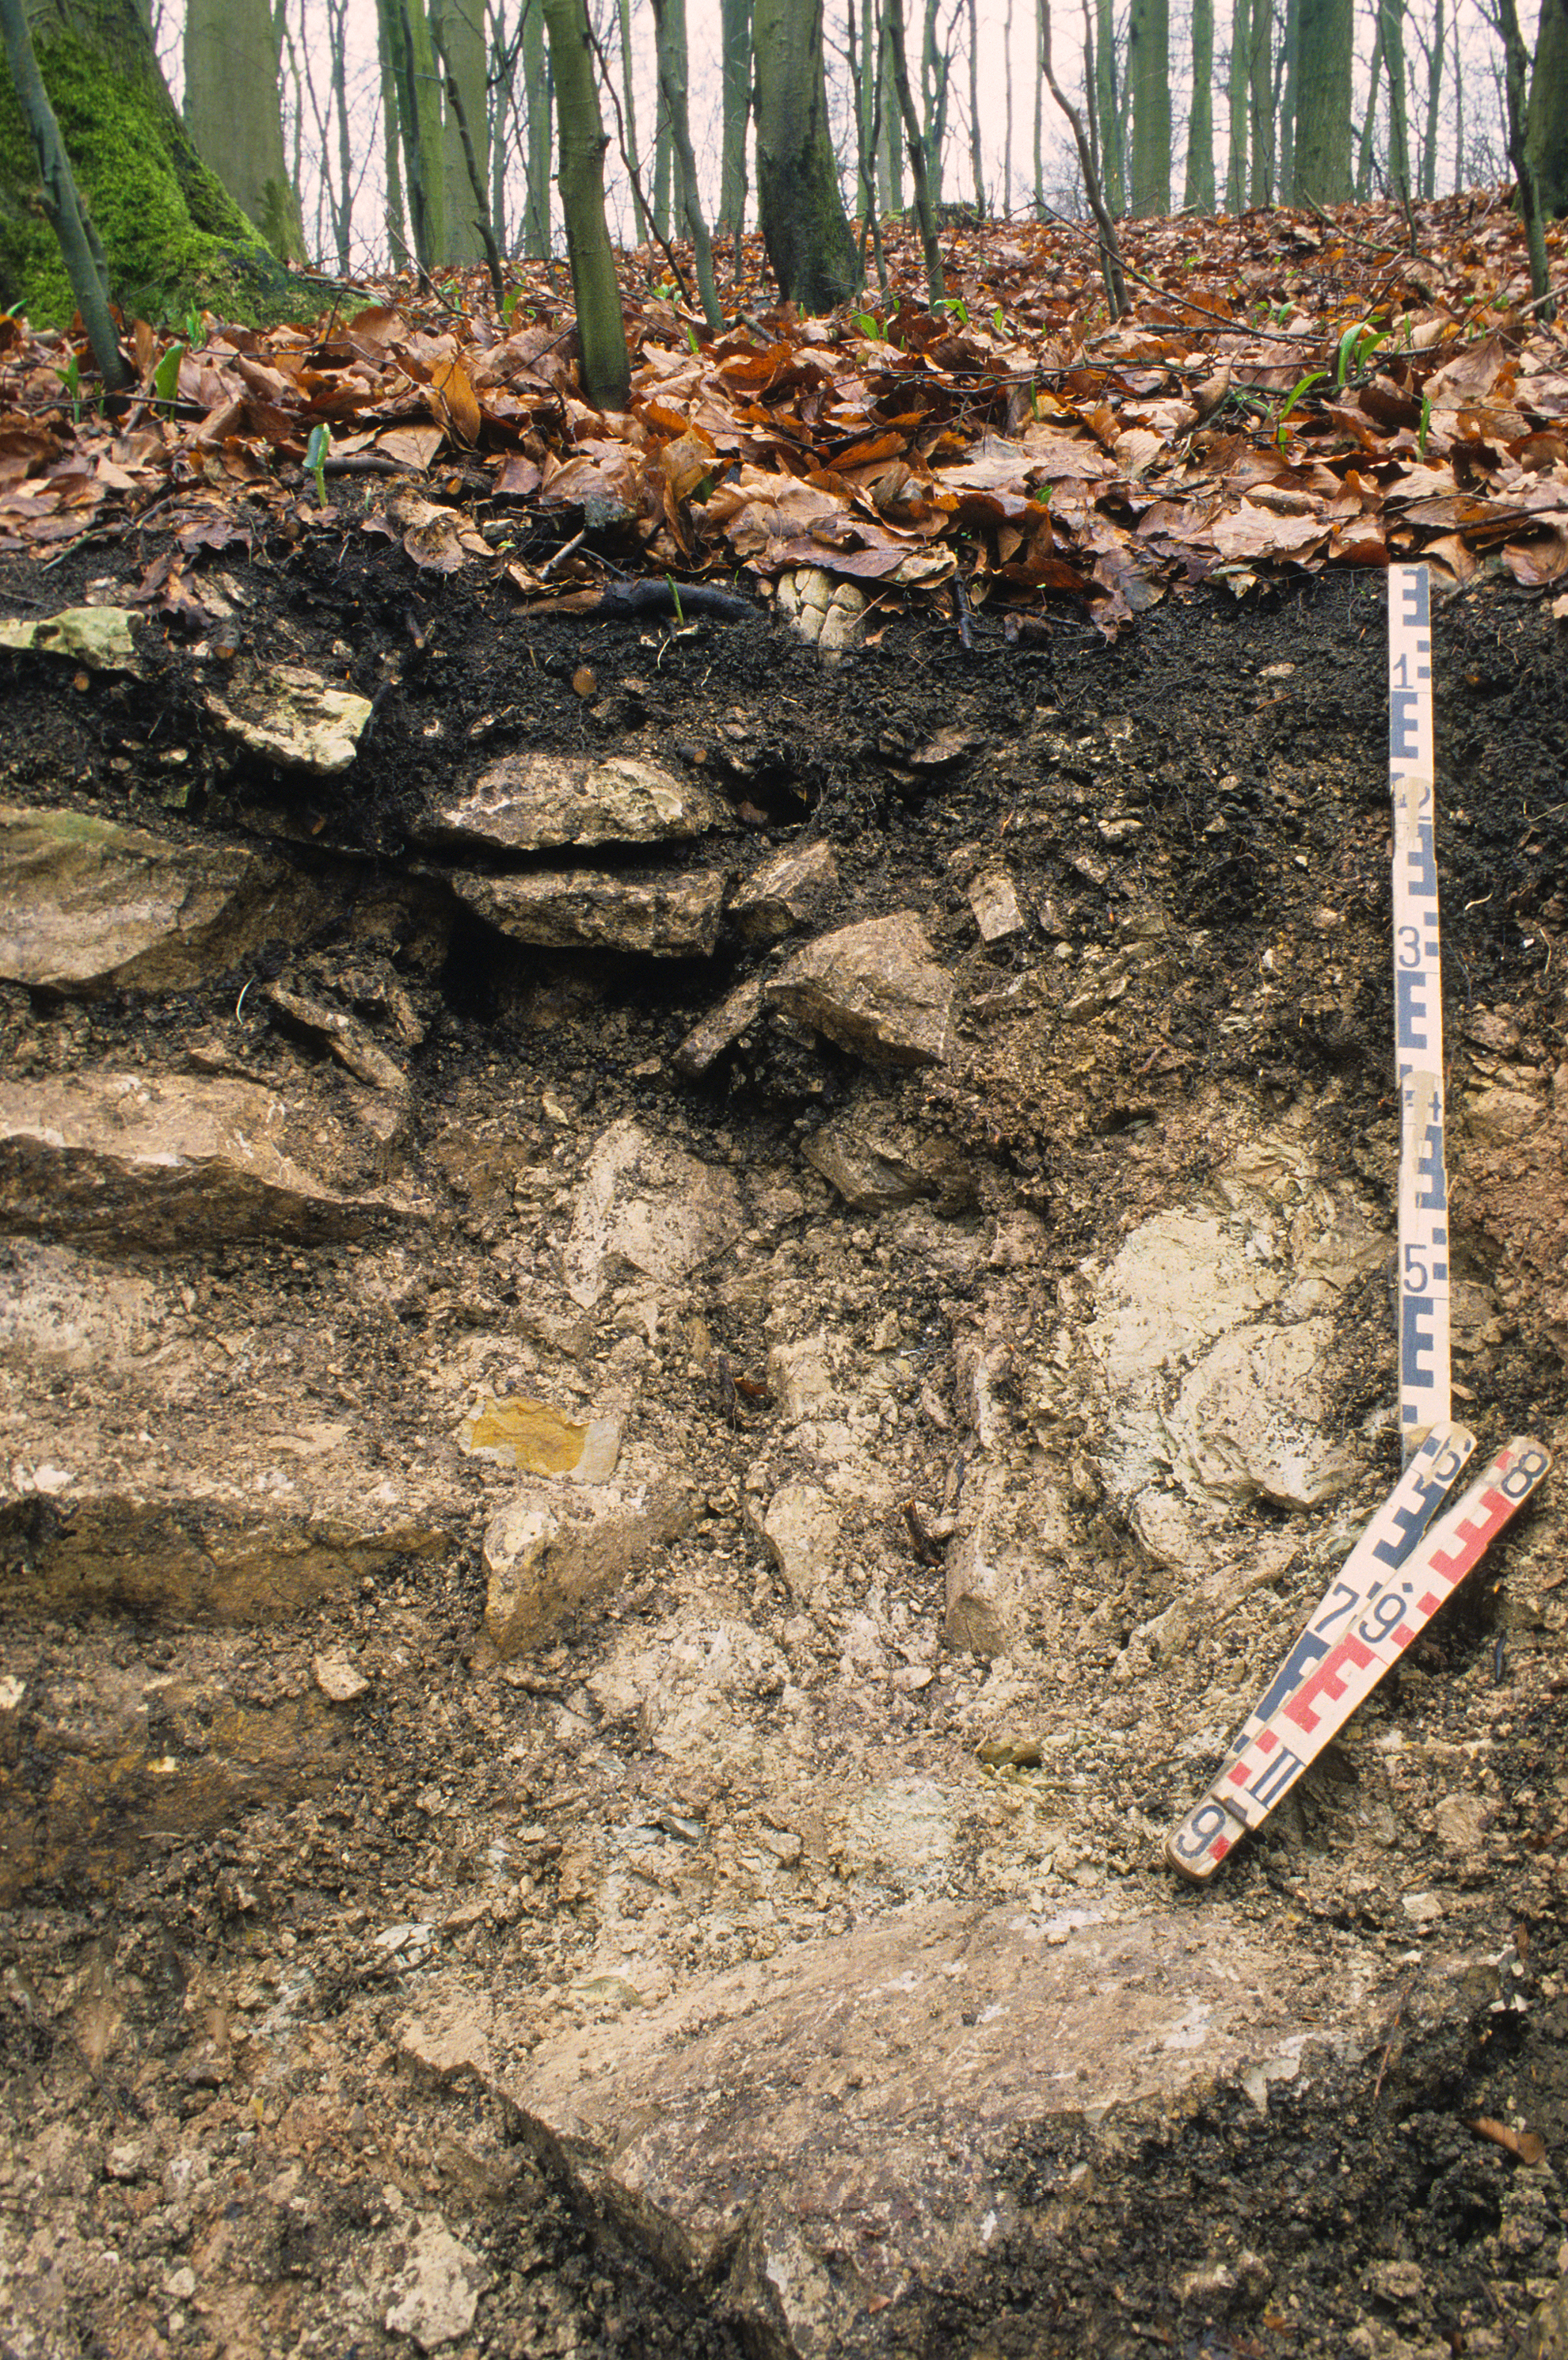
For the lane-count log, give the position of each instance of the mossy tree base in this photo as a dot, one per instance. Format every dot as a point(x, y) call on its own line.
point(173, 236)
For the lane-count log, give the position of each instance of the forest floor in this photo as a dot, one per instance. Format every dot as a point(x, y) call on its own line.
point(619, 1555)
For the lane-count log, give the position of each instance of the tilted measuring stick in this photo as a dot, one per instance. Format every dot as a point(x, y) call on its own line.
point(1390, 1620)
point(1424, 1365)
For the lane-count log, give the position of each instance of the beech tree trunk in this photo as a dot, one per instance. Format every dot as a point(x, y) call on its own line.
point(1392, 22)
point(1149, 72)
point(670, 25)
point(1323, 101)
point(171, 233)
point(457, 28)
point(804, 225)
point(1261, 104)
point(734, 23)
point(1198, 196)
point(601, 328)
point(232, 114)
point(1235, 91)
point(537, 107)
point(1546, 125)
point(1108, 107)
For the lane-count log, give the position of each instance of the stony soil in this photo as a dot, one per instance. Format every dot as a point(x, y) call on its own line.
point(981, 1432)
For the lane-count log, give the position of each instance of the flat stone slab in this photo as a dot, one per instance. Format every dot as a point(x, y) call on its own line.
point(530, 803)
point(817, 2132)
point(163, 1160)
point(86, 905)
point(584, 909)
point(874, 988)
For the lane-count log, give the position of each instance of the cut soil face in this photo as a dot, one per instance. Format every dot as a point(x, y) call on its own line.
point(619, 1555)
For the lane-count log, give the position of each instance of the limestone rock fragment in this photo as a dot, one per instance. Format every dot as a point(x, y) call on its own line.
point(786, 894)
point(88, 906)
point(647, 1204)
point(874, 988)
point(165, 1161)
point(546, 1554)
point(530, 803)
point(723, 1025)
point(665, 916)
point(288, 715)
point(994, 903)
point(98, 636)
point(438, 2291)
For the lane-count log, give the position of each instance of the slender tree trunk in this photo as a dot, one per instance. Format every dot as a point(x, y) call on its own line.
point(628, 119)
point(1369, 121)
point(1198, 196)
point(734, 24)
point(670, 25)
point(1393, 20)
point(1149, 72)
point(1007, 205)
point(392, 145)
point(457, 40)
point(925, 211)
point(1516, 66)
point(1039, 158)
point(1285, 110)
point(1261, 104)
point(976, 159)
point(601, 330)
point(936, 66)
point(1110, 249)
point(664, 187)
point(1236, 88)
point(1546, 120)
point(536, 110)
point(232, 111)
point(1458, 108)
point(891, 164)
point(1323, 103)
point(1108, 106)
point(343, 196)
point(79, 249)
point(803, 224)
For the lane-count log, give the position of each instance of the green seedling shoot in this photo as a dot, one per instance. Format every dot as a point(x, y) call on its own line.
point(675, 593)
point(315, 451)
point(71, 378)
point(1304, 385)
point(1422, 429)
point(1358, 340)
point(166, 377)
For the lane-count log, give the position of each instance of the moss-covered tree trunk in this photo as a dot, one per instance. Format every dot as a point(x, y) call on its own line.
point(171, 234)
point(804, 225)
point(232, 114)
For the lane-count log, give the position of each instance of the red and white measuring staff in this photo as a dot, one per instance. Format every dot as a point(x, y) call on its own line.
point(1295, 1732)
point(1425, 1395)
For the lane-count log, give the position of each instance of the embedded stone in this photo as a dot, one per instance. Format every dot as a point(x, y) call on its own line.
point(873, 987)
point(670, 916)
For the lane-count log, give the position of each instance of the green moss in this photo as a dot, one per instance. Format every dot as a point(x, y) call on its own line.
point(172, 234)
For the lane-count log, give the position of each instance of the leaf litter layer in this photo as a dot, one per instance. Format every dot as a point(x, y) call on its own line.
point(1290, 390)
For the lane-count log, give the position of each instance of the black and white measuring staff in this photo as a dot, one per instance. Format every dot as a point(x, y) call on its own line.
point(1258, 1778)
point(1425, 1395)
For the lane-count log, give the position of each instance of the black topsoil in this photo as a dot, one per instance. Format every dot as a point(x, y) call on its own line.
point(1285, 2210)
